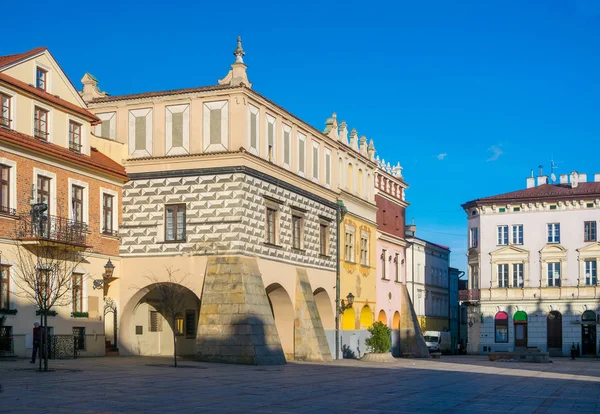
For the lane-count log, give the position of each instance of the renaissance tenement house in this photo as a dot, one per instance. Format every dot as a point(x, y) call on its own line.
point(533, 266)
point(46, 160)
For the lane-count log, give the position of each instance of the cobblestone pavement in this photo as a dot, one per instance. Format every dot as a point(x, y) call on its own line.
point(451, 384)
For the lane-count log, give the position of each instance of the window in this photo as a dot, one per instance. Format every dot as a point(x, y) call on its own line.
point(79, 334)
point(40, 123)
point(140, 132)
point(155, 322)
point(216, 126)
point(501, 327)
point(553, 207)
point(383, 264)
point(77, 292)
point(74, 136)
point(591, 275)
point(517, 269)
point(589, 231)
point(107, 129)
point(397, 263)
point(474, 277)
point(43, 191)
point(107, 214)
point(502, 235)
point(179, 324)
point(271, 138)
point(502, 275)
point(323, 239)
point(41, 76)
point(190, 324)
point(364, 250)
point(474, 237)
point(517, 234)
point(502, 209)
point(271, 236)
point(517, 209)
point(554, 274)
point(4, 287)
point(554, 233)
point(175, 222)
point(5, 110)
point(253, 132)
point(296, 232)
point(327, 167)
point(177, 133)
point(349, 246)
point(77, 203)
point(4, 189)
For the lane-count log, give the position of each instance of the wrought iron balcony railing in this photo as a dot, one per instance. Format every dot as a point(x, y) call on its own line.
point(52, 228)
point(469, 295)
point(8, 210)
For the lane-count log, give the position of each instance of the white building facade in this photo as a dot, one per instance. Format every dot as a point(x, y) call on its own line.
point(533, 260)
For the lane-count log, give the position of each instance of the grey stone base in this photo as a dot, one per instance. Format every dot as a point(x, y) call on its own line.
point(373, 357)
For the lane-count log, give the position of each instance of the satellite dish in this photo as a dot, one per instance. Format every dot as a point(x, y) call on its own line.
point(553, 177)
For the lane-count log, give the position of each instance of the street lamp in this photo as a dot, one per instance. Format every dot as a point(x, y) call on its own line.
point(412, 230)
point(347, 305)
point(107, 277)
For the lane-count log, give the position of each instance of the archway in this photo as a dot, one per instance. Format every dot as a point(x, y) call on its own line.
point(396, 320)
point(366, 317)
point(588, 333)
point(324, 306)
point(382, 317)
point(348, 320)
point(501, 327)
point(146, 327)
point(520, 323)
point(554, 333)
point(283, 313)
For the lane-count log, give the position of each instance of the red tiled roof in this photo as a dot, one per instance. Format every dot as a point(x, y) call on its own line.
point(96, 160)
point(8, 59)
point(544, 192)
point(49, 97)
point(162, 93)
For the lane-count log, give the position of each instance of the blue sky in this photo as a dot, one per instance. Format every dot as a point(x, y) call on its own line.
point(468, 95)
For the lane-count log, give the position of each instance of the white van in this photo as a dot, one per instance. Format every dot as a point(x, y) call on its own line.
point(437, 341)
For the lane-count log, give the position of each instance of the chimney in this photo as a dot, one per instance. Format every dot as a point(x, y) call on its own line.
point(597, 178)
point(542, 179)
point(530, 182)
point(90, 88)
point(237, 75)
point(564, 178)
point(583, 178)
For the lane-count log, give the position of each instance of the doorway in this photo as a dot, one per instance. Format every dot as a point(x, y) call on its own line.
point(520, 322)
point(554, 333)
point(588, 333)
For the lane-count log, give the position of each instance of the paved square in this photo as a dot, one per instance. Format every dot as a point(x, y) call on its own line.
point(452, 384)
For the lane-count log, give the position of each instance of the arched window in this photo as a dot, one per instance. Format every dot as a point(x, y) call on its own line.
point(588, 316)
point(501, 327)
point(340, 178)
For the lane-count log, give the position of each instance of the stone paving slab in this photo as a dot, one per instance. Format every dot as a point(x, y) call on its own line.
point(447, 385)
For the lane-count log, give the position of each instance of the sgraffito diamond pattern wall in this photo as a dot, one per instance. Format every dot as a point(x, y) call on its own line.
point(225, 214)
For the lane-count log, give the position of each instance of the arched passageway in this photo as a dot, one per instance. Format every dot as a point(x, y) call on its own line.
point(554, 333)
point(588, 333)
point(366, 317)
point(382, 317)
point(396, 320)
point(283, 313)
point(324, 306)
point(348, 320)
point(146, 327)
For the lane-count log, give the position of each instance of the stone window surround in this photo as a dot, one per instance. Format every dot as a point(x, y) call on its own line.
point(49, 121)
point(253, 110)
point(549, 254)
point(85, 148)
point(115, 211)
point(169, 111)
point(111, 117)
point(223, 105)
point(138, 113)
point(286, 129)
point(271, 120)
point(52, 177)
point(48, 70)
point(276, 206)
point(349, 230)
point(301, 141)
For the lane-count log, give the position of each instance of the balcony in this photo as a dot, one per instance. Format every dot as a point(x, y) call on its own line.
point(469, 295)
point(52, 229)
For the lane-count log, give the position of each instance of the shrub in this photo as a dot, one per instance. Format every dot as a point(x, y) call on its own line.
point(379, 341)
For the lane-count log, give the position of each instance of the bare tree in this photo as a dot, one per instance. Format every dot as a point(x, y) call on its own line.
point(45, 277)
point(170, 294)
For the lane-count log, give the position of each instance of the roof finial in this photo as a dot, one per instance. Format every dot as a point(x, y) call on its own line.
point(239, 52)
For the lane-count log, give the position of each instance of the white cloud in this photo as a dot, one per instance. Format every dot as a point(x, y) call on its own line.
point(441, 156)
point(496, 151)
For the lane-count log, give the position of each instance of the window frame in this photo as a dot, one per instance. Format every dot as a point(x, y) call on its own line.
point(5, 185)
point(517, 234)
point(592, 280)
point(271, 226)
point(107, 229)
point(77, 203)
point(41, 78)
point(5, 121)
point(364, 250)
point(297, 233)
point(553, 281)
point(384, 264)
point(474, 237)
point(179, 324)
point(349, 245)
point(37, 122)
point(41, 193)
point(5, 286)
point(77, 292)
point(75, 138)
point(502, 276)
point(301, 144)
point(552, 230)
point(502, 235)
point(324, 237)
point(590, 231)
point(176, 208)
point(518, 275)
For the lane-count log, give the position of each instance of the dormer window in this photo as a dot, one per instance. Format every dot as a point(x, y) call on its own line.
point(74, 136)
point(41, 77)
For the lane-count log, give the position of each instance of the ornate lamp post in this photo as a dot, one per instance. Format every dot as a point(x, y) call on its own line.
point(341, 211)
point(109, 305)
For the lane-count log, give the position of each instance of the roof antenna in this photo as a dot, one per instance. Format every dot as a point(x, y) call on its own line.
point(552, 168)
point(541, 167)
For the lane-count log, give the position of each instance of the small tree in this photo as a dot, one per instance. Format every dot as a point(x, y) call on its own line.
point(379, 341)
point(171, 300)
point(45, 277)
